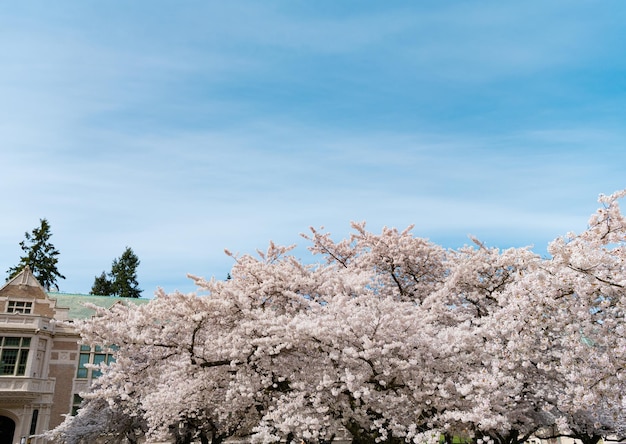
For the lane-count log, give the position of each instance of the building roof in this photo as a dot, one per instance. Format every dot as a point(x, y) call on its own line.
point(24, 284)
point(76, 303)
point(62, 306)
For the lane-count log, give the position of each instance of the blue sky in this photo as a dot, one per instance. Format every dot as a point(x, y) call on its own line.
point(183, 128)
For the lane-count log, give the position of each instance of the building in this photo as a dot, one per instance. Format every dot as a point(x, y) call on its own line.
point(42, 364)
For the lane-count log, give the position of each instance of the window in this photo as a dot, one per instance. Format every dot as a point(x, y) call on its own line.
point(13, 355)
point(91, 355)
point(20, 307)
point(76, 403)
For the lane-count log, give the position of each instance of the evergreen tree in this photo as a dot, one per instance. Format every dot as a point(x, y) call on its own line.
point(102, 286)
point(124, 275)
point(41, 256)
point(122, 279)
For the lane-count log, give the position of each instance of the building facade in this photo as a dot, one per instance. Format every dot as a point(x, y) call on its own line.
point(43, 366)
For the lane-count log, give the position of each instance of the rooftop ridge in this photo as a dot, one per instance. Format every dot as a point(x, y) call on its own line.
point(66, 293)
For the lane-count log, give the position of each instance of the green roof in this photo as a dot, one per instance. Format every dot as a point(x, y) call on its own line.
point(76, 303)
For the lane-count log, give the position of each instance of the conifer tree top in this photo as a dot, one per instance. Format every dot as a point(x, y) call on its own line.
point(40, 255)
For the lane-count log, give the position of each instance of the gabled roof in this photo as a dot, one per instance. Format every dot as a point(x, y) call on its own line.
point(24, 285)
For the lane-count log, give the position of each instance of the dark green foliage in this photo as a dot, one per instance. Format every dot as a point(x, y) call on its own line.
point(41, 256)
point(124, 275)
point(102, 286)
point(121, 280)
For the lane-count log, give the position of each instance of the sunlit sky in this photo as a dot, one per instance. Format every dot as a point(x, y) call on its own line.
point(183, 128)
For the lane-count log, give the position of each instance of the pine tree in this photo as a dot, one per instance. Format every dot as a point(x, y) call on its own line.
point(124, 275)
point(41, 256)
point(102, 286)
point(122, 279)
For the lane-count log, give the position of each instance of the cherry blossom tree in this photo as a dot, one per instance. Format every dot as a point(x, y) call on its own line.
point(588, 281)
point(387, 338)
point(96, 419)
point(496, 392)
